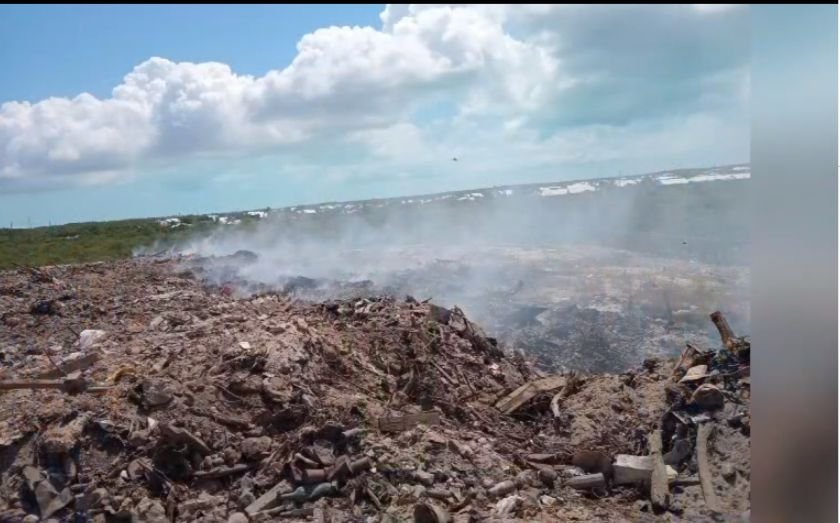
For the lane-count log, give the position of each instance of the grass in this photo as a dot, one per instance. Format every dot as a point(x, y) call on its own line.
point(87, 242)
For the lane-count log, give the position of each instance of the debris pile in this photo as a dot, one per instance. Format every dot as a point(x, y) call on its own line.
point(153, 398)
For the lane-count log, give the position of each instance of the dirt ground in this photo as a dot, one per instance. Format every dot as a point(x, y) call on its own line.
point(197, 404)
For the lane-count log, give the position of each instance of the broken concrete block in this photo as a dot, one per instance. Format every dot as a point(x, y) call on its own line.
point(629, 469)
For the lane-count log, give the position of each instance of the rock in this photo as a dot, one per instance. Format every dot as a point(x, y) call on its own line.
point(153, 393)
point(547, 476)
point(547, 501)
point(424, 477)
point(231, 456)
point(525, 478)
point(178, 435)
point(31, 518)
point(736, 421)
point(238, 517)
point(324, 454)
point(150, 511)
point(94, 499)
point(728, 472)
point(501, 489)
point(138, 438)
point(430, 513)
point(254, 449)
point(135, 470)
point(276, 389)
point(46, 307)
point(592, 462)
point(63, 439)
point(244, 345)
point(246, 498)
point(679, 452)
point(203, 502)
point(439, 314)
point(269, 499)
point(156, 322)
point(570, 472)
point(508, 506)
point(90, 337)
point(49, 499)
point(708, 397)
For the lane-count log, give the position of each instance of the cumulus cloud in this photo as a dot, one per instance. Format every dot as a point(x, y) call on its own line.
point(529, 78)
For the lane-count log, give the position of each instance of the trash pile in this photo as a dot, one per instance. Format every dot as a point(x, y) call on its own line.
point(139, 394)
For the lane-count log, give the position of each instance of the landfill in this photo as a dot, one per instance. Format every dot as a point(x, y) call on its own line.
point(134, 391)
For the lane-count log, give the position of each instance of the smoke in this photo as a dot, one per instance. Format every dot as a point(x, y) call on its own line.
point(514, 259)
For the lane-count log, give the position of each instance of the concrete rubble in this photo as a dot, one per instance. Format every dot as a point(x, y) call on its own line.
point(204, 406)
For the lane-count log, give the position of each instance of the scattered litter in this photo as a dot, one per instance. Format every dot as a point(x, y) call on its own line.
point(366, 408)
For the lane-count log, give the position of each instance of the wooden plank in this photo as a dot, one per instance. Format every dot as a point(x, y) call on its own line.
point(704, 469)
point(523, 394)
point(659, 478)
point(504, 402)
point(687, 359)
point(408, 421)
point(67, 367)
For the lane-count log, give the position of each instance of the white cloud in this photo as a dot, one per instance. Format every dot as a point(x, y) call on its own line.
point(524, 73)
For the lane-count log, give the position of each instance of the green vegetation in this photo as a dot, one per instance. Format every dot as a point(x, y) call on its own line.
point(86, 242)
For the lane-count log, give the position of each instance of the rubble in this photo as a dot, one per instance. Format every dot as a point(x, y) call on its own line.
point(368, 408)
point(631, 470)
point(401, 423)
point(523, 394)
point(90, 337)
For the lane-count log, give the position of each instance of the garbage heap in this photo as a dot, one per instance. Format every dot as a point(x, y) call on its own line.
point(132, 392)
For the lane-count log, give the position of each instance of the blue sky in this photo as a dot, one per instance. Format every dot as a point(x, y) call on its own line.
point(126, 111)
